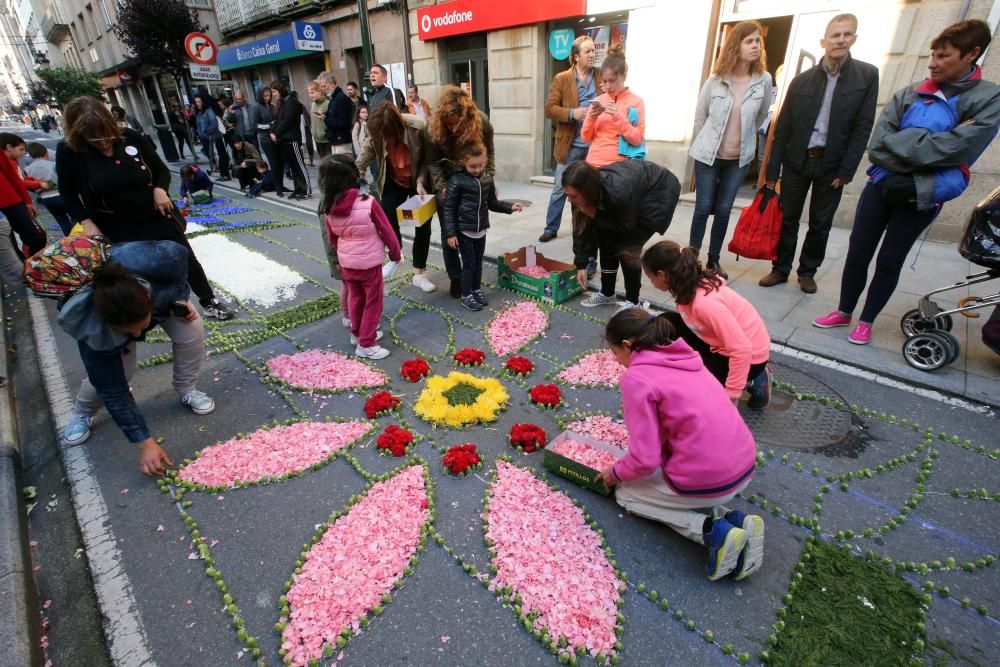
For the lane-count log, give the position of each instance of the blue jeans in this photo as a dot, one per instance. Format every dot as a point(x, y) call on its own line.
point(716, 187)
point(553, 218)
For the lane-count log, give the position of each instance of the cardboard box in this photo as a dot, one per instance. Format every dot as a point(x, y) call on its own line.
point(557, 287)
point(577, 472)
point(417, 209)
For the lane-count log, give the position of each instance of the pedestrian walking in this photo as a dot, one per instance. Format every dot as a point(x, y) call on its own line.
point(144, 285)
point(924, 142)
point(616, 117)
point(338, 116)
point(717, 322)
point(467, 219)
point(617, 209)
point(818, 143)
point(456, 121)
point(286, 133)
point(689, 451)
point(567, 105)
point(26, 236)
point(732, 105)
point(359, 232)
point(399, 145)
point(115, 185)
point(179, 128)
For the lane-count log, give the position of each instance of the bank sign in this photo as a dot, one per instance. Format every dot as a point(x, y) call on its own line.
point(465, 16)
point(302, 40)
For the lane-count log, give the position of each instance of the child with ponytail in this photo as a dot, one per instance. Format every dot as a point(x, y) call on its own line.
point(719, 324)
point(689, 452)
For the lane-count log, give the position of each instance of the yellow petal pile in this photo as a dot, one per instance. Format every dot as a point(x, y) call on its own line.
point(432, 406)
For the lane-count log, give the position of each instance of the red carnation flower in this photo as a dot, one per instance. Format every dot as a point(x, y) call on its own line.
point(461, 459)
point(415, 370)
point(381, 403)
point(546, 395)
point(469, 356)
point(519, 366)
point(394, 440)
point(527, 437)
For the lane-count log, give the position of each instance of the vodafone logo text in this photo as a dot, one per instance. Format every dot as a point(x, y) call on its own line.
point(452, 18)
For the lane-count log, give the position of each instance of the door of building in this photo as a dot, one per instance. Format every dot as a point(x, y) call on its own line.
point(470, 70)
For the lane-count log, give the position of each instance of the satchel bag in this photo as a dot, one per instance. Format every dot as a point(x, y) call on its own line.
point(759, 228)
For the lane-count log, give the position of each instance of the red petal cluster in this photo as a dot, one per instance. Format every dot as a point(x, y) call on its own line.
point(461, 459)
point(381, 403)
point(415, 370)
point(519, 366)
point(546, 395)
point(394, 440)
point(527, 437)
point(470, 356)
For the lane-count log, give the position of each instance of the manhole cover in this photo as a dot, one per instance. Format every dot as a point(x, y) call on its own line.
point(805, 424)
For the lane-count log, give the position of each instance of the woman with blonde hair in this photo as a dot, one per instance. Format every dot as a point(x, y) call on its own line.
point(732, 105)
point(456, 122)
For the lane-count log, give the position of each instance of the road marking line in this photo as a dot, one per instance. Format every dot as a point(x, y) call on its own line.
point(123, 629)
point(848, 369)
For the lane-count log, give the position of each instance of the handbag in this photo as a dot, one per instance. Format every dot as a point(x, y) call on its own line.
point(65, 266)
point(759, 228)
point(221, 125)
point(625, 148)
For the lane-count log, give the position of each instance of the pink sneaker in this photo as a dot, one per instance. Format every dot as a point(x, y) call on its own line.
point(861, 335)
point(834, 319)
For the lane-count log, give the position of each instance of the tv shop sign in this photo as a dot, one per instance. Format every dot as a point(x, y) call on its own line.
point(464, 16)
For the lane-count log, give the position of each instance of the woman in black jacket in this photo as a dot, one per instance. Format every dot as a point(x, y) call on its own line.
point(616, 209)
point(113, 183)
point(262, 116)
point(286, 132)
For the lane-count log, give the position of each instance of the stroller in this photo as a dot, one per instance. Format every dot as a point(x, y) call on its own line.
point(930, 345)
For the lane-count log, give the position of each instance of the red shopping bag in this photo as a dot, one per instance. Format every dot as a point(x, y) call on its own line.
point(759, 227)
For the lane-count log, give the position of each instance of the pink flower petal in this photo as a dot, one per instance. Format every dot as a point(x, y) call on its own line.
point(515, 327)
point(324, 371)
point(597, 369)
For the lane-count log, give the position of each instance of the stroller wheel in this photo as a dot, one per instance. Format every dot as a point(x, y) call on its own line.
point(929, 351)
point(913, 323)
point(956, 347)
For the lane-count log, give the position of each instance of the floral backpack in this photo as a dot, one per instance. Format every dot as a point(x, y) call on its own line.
point(65, 266)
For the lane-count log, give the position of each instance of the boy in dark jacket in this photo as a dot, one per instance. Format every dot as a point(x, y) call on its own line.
point(466, 219)
point(263, 182)
point(194, 180)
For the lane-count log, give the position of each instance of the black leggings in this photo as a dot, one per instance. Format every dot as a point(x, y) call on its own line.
point(393, 194)
point(901, 226)
point(31, 234)
point(290, 153)
point(182, 139)
point(612, 247)
point(716, 363)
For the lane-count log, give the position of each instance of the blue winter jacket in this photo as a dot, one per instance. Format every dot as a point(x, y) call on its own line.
point(162, 266)
point(207, 124)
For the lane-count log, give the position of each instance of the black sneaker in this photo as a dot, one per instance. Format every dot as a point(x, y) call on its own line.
point(471, 303)
point(217, 310)
point(480, 297)
point(760, 390)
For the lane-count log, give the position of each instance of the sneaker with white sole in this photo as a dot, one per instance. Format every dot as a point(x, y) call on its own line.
point(598, 299)
point(373, 352)
point(424, 283)
point(626, 305)
point(470, 302)
point(77, 429)
point(199, 402)
point(354, 339)
point(752, 556)
point(725, 543)
point(346, 321)
point(388, 269)
point(480, 297)
point(219, 311)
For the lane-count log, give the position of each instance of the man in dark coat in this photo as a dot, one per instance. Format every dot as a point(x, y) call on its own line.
point(339, 118)
point(822, 130)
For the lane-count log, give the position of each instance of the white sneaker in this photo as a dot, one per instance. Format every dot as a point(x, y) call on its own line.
point(354, 339)
point(388, 269)
point(598, 299)
point(373, 352)
point(199, 402)
point(626, 305)
point(423, 282)
point(77, 429)
point(346, 321)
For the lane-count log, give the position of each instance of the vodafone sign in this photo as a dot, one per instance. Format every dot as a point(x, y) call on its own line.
point(464, 16)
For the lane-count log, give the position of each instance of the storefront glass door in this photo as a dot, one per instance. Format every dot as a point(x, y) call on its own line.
point(470, 70)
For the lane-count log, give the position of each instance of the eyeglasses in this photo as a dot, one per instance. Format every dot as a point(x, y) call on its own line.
point(102, 140)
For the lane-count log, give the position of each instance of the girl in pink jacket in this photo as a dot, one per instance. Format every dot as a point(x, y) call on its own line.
point(359, 232)
point(719, 324)
point(689, 451)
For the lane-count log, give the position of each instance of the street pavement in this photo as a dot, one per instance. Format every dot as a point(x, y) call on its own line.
point(906, 479)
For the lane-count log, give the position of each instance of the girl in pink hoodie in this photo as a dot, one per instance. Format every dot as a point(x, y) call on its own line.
point(360, 234)
point(721, 325)
point(689, 450)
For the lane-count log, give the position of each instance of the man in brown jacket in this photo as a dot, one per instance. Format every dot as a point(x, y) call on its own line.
point(567, 105)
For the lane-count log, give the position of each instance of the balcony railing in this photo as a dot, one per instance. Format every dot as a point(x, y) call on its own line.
point(240, 15)
point(54, 25)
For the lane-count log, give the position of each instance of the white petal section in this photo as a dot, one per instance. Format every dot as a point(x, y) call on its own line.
point(247, 275)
